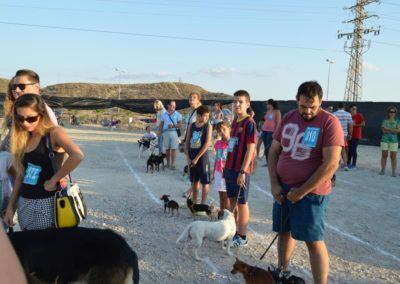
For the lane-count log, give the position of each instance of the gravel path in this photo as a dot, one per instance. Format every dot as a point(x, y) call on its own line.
point(362, 225)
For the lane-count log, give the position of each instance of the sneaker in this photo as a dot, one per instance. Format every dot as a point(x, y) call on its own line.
point(394, 175)
point(345, 168)
point(382, 173)
point(239, 242)
point(172, 168)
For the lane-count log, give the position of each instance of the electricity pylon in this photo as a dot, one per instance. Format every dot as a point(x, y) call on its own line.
point(356, 50)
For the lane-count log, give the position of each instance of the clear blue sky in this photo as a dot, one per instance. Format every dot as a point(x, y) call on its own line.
point(265, 47)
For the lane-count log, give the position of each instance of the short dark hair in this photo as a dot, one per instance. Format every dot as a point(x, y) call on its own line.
point(310, 90)
point(242, 93)
point(202, 110)
point(340, 105)
point(220, 124)
point(170, 101)
point(32, 75)
point(273, 103)
point(352, 105)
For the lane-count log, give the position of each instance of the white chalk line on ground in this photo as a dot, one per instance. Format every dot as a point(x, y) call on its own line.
point(209, 263)
point(138, 179)
point(347, 235)
point(360, 185)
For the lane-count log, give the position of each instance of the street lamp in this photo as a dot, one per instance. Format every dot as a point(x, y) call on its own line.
point(330, 62)
point(120, 72)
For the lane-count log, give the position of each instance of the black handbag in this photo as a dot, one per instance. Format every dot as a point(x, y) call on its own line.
point(178, 131)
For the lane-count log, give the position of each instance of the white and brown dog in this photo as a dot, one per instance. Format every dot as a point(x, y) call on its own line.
point(214, 231)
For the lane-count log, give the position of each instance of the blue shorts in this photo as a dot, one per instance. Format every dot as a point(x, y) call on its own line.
point(200, 172)
point(306, 220)
point(232, 188)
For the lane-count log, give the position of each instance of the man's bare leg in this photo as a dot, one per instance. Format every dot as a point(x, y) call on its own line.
point(285, 248)
point(319, 260)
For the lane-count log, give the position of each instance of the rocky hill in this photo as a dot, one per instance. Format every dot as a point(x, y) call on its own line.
point(164, 90)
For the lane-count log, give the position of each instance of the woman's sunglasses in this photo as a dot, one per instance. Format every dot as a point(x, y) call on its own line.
point(30, 119)
point(20, 86)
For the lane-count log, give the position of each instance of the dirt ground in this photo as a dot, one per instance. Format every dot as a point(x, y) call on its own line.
point(362, 224)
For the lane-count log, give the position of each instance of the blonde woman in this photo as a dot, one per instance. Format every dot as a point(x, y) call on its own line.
point(159, 108)
point(35, 184)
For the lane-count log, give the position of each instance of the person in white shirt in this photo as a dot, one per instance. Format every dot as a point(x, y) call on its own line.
point(159, 108)
point(346, 121)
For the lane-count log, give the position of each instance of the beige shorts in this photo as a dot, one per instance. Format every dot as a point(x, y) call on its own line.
point(392, 147)
point(170, 140)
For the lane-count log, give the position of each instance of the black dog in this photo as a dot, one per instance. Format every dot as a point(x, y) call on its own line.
point(159, 160)
point(75, 254)
point(151, 162)
point(284, 277)
point(170, 204)
point(194, 208)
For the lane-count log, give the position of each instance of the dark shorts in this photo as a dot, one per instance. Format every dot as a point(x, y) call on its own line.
point(306, 220)
point(200, 172)
point(232, 188)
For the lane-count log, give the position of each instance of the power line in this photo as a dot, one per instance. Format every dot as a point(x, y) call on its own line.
point(171, 37)
point(386, 43)
point(312, 20)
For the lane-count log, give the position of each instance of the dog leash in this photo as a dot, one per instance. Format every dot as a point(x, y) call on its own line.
point(283, 223)
point(237, 198)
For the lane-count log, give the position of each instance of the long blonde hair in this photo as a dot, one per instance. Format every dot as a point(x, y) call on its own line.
point(19, 136)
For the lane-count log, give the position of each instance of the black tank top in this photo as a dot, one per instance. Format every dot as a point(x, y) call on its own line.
point(38, 169)
point(198, 136)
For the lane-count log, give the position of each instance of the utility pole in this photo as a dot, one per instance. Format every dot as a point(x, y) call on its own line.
point(353, 90)
point(330, 62)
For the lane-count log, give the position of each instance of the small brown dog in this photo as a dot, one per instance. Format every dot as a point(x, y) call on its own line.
point(170, 204)
point(252, 274)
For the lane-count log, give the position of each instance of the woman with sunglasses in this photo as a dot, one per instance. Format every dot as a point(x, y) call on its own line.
point(24, 82)
point(389, 141)
point(36, 181)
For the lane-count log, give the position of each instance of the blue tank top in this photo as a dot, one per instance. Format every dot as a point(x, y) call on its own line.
point(198, 136)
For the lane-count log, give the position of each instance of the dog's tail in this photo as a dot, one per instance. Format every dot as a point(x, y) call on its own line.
point(184, 234)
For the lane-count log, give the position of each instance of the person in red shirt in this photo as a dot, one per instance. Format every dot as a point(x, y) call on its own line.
point(303, 157)
point(358, 124)
point(239, 164)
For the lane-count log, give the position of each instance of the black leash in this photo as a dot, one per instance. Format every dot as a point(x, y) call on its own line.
point(283, 223)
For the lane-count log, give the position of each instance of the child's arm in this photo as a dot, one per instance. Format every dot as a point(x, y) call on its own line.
point(12, 205)
point(205, 146)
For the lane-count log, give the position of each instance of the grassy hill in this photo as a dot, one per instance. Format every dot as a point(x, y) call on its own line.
point(164, 90)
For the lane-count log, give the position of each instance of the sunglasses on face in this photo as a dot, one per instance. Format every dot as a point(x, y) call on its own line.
point(30, 119)
point(20, 86)
point(392, 111)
